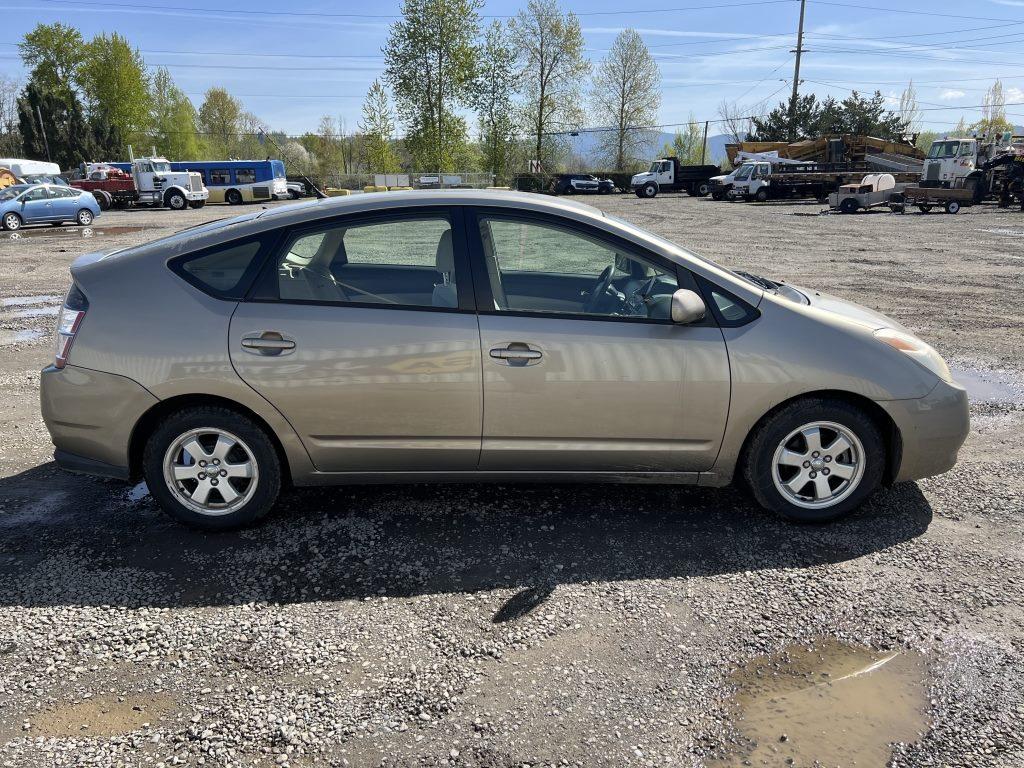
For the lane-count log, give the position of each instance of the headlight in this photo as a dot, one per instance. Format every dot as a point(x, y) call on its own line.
point(916, 349)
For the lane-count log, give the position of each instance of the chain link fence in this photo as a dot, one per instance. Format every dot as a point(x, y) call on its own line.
point(413, 179)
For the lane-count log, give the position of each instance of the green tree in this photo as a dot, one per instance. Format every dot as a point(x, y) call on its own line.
point(431, 58)
point(107, 142)
point(378, 129)
point(993, 114)
point(688, 143)
point(856, 114)
point(115, 83)
point(552, 70)
point(52, 53)
point(173, 119)
point(910, 111)
point(67, 131)
point(493, 94)
point(925, 139)
point(626, 92)
point(219, 117)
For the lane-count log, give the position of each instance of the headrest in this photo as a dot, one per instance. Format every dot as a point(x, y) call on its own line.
point(445, 254)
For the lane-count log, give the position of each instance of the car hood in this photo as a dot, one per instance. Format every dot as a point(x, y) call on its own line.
point(850, 310)
point(642, 176)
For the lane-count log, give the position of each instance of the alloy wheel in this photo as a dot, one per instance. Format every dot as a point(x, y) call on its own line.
point(210, 471)
point(818, 465)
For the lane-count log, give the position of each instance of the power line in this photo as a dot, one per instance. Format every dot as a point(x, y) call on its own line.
point(325, 15)
point(930, 14)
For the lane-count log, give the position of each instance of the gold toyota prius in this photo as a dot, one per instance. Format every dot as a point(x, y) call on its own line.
point(477, 336)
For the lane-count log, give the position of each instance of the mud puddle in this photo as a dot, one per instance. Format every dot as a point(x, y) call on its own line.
point(989, 386)
point(21, 337)
point(72, 233)
point(832, 705)
point(107, 716)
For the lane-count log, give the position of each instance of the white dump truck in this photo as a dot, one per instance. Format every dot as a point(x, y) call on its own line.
point(158, 185)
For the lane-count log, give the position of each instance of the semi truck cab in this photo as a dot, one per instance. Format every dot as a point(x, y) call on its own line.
point(159, 185)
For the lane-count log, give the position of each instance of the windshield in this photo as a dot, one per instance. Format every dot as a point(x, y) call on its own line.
point(12, 192)
point(943, 149)
point(655, 167)
point(744, 172)
point(163, 167)
point(278, 167)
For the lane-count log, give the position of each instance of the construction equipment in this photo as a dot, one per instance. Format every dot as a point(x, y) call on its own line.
point(143, 181)
point(765, 180)
point(667, 174)
point(7, 178)
point(867, 151)
point(960, 172)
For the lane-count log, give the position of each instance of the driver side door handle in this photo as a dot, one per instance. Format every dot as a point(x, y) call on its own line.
point(517, 354)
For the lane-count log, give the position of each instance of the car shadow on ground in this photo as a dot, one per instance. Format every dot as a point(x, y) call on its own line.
point(69, 540)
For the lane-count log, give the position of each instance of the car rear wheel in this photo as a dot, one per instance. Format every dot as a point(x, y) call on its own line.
point(849, 205)
point(953, 206)
point(212, 468)
point(703, 189)
point(761, 195)
point(233, 197)
point(12, 221)
point(815, 460)
point(84, 217)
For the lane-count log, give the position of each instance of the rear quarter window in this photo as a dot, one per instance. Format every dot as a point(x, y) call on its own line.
point(225, 271)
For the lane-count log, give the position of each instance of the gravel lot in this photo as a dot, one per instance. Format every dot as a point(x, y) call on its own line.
point(538, 625)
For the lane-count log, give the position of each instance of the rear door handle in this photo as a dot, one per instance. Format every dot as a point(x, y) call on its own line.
point(517, 353)
point(267, 343)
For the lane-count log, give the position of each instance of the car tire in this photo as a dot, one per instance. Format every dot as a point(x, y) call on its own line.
point(952, 206)
point(293, 194)
point(84, 217)
point(176, 201)
point(11, 222)
point(849, 205)
point(718, 196)
point(224, 439)
point(924, 208)
point(650, 189)
point(103, 199)
point(703, 189)
point(779, 454)
point(761, 195)
point(233, 197)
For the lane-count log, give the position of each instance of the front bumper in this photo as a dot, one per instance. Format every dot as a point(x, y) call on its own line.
point(90, 416)
point(932, 429)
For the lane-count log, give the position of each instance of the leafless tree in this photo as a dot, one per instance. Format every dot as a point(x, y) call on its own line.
point(735, 120)
point(10, 137)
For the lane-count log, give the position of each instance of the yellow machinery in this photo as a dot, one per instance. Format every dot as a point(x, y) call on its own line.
point(7, 178)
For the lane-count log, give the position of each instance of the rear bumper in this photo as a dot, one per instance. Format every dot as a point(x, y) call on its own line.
point(90, 416)
point(932, 429)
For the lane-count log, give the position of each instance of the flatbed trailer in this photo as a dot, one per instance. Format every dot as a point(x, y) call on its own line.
point(768, 181)
point(926, 198)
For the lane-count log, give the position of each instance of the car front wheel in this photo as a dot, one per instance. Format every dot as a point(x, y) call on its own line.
point(815, 460)
point(12, 221)
point(212, 468)
point(84, 217)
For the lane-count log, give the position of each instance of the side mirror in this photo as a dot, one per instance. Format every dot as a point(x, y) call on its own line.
point(687, 307)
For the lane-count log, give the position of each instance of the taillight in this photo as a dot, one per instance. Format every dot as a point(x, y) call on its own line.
point(68, 322)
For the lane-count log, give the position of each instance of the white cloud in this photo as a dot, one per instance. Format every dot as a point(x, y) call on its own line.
point(1014, 94)
point(950, 93)
point(1011, 3)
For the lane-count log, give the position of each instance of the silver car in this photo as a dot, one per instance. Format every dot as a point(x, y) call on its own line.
point(477, 336)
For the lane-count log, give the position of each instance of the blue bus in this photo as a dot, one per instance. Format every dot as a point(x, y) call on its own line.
point(239, 181)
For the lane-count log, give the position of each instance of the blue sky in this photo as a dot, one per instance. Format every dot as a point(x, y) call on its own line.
point(289, 68)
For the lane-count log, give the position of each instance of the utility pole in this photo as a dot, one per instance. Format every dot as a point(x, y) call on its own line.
point(42, 130)
point(796, 72)
point(704, 144)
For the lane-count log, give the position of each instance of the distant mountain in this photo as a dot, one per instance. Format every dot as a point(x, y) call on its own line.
point(586, 148)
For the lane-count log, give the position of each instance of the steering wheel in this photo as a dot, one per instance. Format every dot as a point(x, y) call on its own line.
point(604, 282)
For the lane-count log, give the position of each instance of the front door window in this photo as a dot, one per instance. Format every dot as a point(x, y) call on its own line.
point(540, 267)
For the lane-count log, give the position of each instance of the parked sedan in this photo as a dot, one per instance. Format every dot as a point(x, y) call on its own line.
point(55, 204)
point(477, 336)
point(581, 184)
